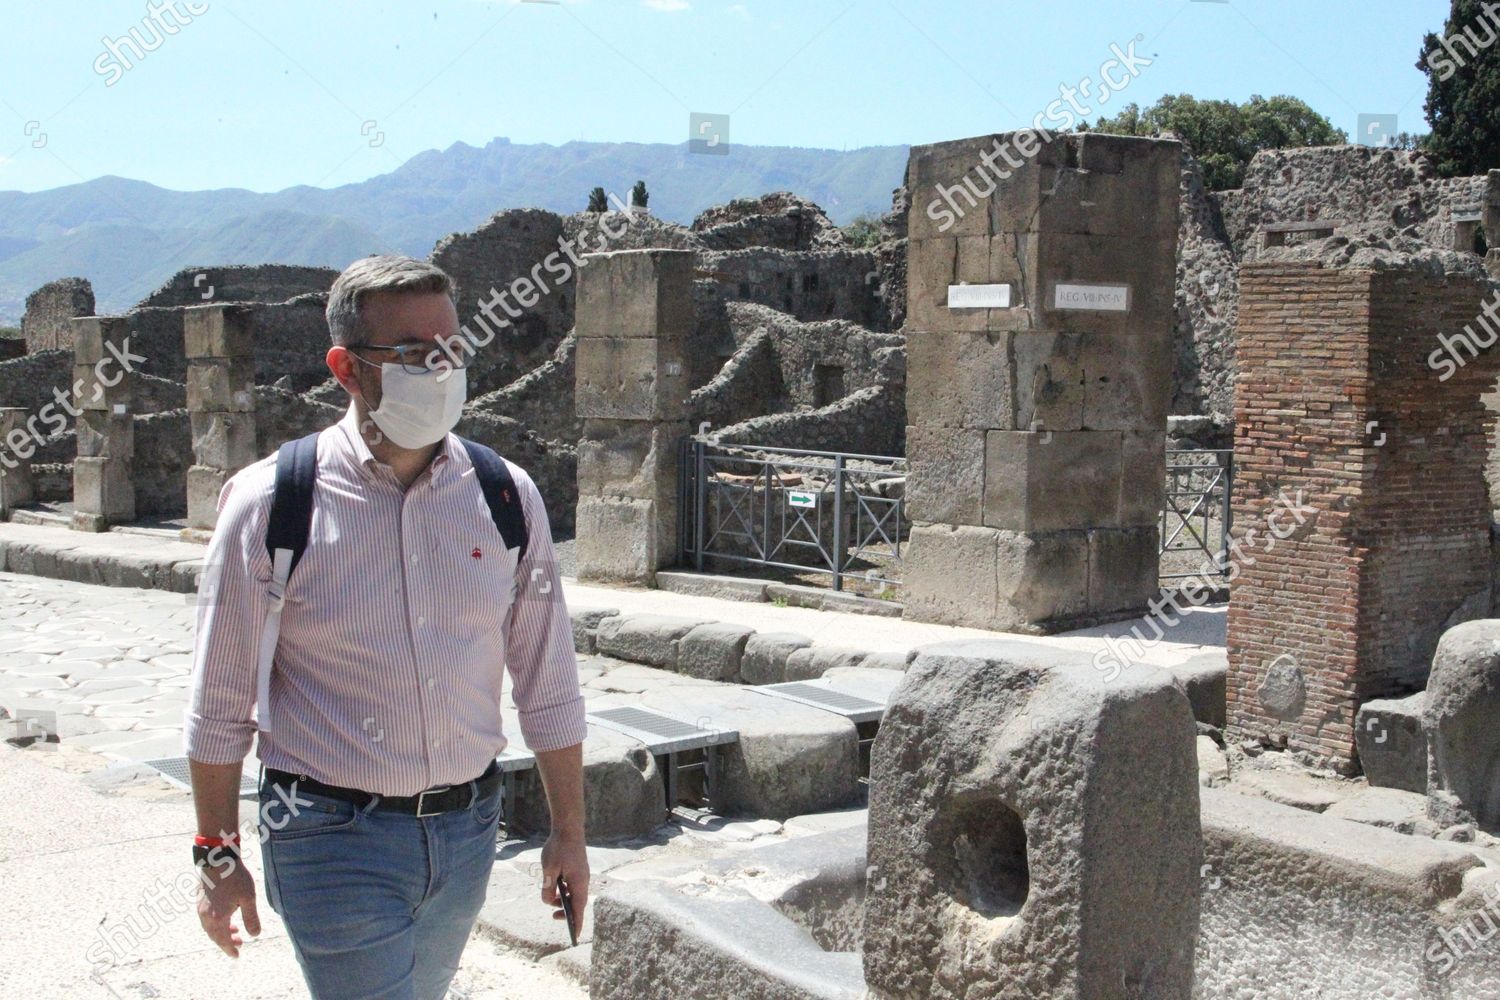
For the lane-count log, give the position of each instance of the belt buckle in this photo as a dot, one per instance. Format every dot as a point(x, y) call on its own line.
point(422, 801)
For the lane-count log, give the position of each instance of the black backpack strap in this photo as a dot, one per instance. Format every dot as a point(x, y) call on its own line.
point(292, 505)
point(500, 494)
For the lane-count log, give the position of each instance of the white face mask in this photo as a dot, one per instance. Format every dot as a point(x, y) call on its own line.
point(419, 410)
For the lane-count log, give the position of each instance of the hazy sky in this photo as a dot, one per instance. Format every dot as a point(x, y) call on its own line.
point(272, 93)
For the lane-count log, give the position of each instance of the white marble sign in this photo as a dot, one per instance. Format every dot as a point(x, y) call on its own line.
point(978, 296)
point(1103, 298)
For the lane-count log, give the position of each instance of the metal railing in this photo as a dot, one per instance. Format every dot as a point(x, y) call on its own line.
point(843, 515)
point(833, 513)
point(1197, 516)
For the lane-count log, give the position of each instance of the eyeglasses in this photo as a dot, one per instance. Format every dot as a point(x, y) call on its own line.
point(418, 359)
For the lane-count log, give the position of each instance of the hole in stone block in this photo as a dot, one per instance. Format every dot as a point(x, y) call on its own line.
point(990, 873)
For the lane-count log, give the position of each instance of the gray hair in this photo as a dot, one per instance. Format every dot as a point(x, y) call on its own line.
point(381, 273)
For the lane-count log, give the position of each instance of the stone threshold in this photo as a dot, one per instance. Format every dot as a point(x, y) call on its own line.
point(738, 588)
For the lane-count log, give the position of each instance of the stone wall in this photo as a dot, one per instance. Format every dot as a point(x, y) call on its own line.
point(779, 220)
point(198, 286)
point(1335, 399)
point(870, 421)
point(49, 310)
point(810, 285)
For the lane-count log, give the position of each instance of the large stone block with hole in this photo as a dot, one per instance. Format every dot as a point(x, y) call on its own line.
point(636, 293)
point(623, 790)
point(1463, 738)
point(621, 378)
point(217, 331)
point(1033, 831)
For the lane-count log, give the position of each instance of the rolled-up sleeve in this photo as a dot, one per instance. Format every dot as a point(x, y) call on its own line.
point(539, 638)
point(232, 608)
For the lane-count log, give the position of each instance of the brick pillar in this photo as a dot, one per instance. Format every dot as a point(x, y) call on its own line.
point(1039, 366)
point(221, 404)
point(1338, 397)
point(635, 311)
point(104, 389)
point(16, 486)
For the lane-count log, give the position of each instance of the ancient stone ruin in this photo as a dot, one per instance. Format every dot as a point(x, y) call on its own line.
point(1298, 799)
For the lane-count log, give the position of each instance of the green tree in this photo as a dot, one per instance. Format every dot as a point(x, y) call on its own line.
point(1224, 135)
point(1463, 90)
point(638, 195)
point(864, 231)
point(598, 200)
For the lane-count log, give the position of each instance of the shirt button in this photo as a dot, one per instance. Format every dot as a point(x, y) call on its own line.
point(421, 621)
point(415, 557)
point(431, 683)
point(436, 744)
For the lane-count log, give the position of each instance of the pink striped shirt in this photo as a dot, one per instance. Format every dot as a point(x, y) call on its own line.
point(398, 621)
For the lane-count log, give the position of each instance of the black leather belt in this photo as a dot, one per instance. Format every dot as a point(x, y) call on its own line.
point(432, 802)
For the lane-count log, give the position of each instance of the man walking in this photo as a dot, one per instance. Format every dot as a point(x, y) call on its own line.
point(379, 714)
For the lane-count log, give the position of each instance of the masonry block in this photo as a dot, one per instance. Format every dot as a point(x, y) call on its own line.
point(224, 440)
point(950, 574)
point(946, 474)
point(1051, 480)
point(1124, 569)
point(630, 458)
point(620, 539)
point(1392, 742)
point(102, 487)
point(630, 379)
point(93, 335)
point(102, 434)
point(766, 655)
point(1143, 476)
point(958, 379)
point(217, 331)
point(714, 651)
point(221, 385)
point(204, 484)
point(637, 294)
point(17, 488)
point(101, 387)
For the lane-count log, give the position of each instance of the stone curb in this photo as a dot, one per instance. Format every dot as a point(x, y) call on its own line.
point(715, 650)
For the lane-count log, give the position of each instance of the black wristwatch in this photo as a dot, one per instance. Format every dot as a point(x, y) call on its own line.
point(215, 857)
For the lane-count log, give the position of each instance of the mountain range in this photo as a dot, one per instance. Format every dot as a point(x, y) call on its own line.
point(128, 237)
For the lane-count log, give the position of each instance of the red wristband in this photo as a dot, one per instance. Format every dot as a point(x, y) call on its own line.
point(233, 840)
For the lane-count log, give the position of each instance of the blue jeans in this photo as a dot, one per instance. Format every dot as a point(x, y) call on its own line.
point(378, 905)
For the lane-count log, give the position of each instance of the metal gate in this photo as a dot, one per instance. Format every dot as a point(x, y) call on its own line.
point(1197, 516)
point(833, 513)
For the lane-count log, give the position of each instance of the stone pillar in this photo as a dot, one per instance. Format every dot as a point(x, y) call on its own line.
point(221, 404)
point(1463, 748)
point(103, 391)
point(16, 486)
point(1033, 831)
point(1039, 368)
point(1360, 510)
point(634, 315)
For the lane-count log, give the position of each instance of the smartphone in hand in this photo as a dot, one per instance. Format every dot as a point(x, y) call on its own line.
point(566, 895)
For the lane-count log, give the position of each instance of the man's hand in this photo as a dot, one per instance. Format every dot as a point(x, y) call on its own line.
point(565, 856)
point(222, 895)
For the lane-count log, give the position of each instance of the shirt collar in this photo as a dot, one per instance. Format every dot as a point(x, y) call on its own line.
point(365, 460)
